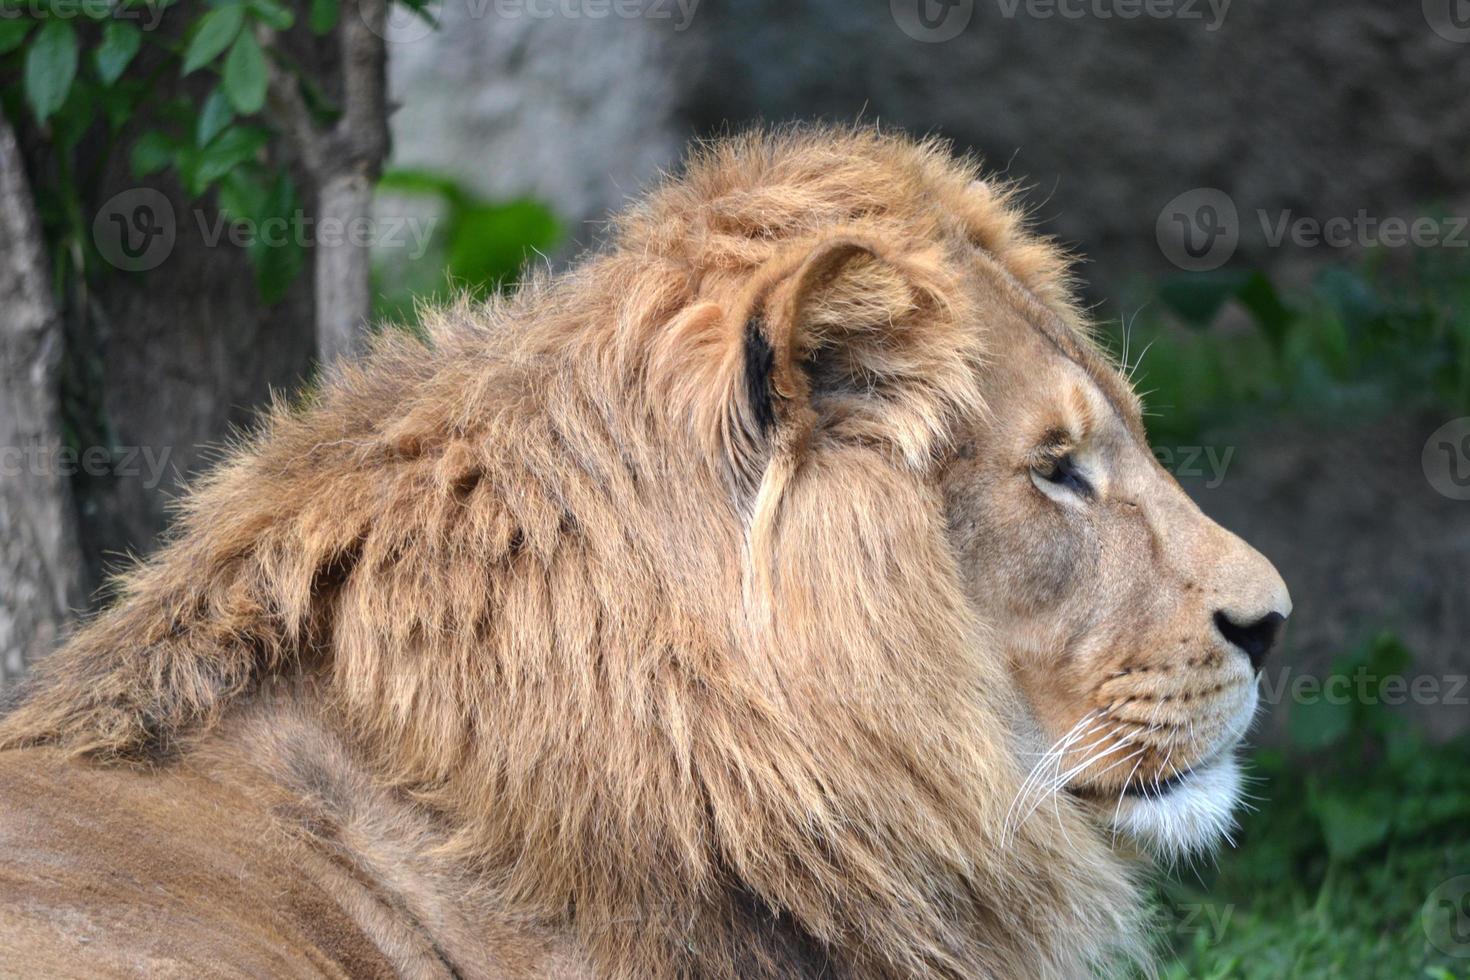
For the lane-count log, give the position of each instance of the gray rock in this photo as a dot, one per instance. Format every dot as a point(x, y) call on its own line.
point(542, 99)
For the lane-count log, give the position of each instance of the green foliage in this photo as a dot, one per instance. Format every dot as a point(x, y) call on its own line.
point(1361, 339)
point(324, 14)
point(51, 66)
point(476, 246)
point(1355, 834)
point(116, 69)
point(120, 43)
point(245, 75)
point(213, 33)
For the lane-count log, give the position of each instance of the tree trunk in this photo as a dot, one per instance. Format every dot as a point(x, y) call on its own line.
point(40, 561)
point(344, 161)
point(343, 266)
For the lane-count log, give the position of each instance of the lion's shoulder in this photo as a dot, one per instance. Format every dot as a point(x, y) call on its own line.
point(123, 872)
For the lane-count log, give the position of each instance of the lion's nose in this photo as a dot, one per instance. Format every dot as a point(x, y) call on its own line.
point(1254, 638)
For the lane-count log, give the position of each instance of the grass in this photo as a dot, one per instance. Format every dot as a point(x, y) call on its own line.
point(1355, 862)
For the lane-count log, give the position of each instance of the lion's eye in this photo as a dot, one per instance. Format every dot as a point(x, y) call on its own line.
point(1064, 473)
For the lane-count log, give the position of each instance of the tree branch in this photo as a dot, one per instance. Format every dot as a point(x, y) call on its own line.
point(345, 162)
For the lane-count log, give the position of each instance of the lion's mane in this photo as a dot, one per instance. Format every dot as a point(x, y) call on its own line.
point(713, 705)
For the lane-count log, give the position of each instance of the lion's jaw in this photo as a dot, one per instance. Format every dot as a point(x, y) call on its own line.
point(1186, 816)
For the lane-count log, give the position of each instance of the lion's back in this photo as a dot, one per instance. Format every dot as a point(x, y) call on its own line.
point(108, 872)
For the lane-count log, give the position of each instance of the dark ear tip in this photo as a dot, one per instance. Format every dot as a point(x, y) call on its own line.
point(760, 361)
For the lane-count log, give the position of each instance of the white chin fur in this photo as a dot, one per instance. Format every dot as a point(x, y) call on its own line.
point(1190, 818)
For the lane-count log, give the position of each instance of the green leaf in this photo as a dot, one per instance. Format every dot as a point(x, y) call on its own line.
point(1197, 298)
point(120, 42)
point(13, 31)
point(491, 242)
point(215, 31)
point(323, 15)
point(233, 147)
point(1258, 295)
point(1321, 720)
point(245, 75)
point(1351, 824)
point(51, 65)
point(214, 116)
point(152, 152)
point(73, 120)
point(1388, 656)
point(186, 164)
point(1350, 296)
point(410, 181)
point(277, 265)
point(242, 196)
point(272, 13)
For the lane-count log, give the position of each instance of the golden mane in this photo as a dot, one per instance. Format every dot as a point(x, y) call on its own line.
point(692, 696)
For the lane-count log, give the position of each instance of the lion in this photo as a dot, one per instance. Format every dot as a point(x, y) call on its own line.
point(787, 590)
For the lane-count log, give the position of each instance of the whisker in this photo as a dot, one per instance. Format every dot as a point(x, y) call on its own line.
point(1083, 726)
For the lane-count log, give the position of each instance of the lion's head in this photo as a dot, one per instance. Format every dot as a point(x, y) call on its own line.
point(792, 579)
point(1135, 625)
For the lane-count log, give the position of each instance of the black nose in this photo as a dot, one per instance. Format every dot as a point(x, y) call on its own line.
point(1255, 639)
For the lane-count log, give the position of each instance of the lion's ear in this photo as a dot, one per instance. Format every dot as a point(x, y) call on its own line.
point(782, 335)
point(829, 334)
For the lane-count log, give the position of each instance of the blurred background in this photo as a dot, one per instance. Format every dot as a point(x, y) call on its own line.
point(202, 203)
